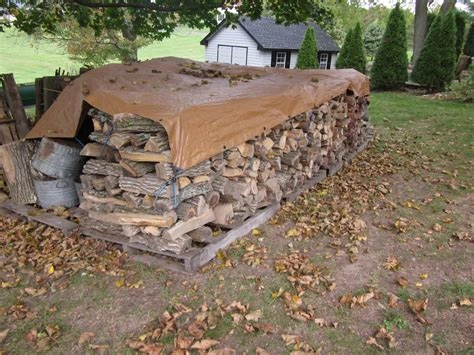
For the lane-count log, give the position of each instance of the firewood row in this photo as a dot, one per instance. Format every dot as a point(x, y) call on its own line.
point(129, 180)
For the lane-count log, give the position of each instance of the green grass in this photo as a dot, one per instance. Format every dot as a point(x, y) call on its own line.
point(394, 320)
point(28, 59)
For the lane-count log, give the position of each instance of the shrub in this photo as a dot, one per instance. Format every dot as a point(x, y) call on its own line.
point(308, 53)
point(391, 62)
point(435, 66)
point(463, 91)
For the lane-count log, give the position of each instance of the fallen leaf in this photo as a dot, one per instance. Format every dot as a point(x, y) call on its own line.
point(254, 316)
point(3, 335)
point(423, 276)
point(224, 351)
point(373, 341)
point(120, 283)
point(256, 232)
point(183, 342)
point(437, 227)
point(85, 337)
point(466, 302)
point(35, 292)
point(290, 339)
point(31, 336)
point(402, 281)
point(418, 306)
point(204, 344)
point(391, 263)
point(392, 300)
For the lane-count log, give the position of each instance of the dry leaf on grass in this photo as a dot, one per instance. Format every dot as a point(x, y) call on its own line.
point(417, 306)
point(373, 341)
point(402, 281)
point(391, 263)
point(205, 344)
point(85, 337)
point(3, 335)
point(223, 351)
point(254, 316)
point(260, 351)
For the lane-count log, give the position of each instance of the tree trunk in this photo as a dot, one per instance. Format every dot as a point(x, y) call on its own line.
point(447, 6)
point(421, 17)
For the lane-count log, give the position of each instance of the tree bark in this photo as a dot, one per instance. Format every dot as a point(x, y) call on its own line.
point(421, 17)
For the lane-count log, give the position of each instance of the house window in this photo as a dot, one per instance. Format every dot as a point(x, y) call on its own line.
point(280, 59)
point(323, 61)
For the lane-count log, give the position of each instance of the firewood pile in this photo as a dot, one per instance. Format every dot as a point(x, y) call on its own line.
point(129, 181)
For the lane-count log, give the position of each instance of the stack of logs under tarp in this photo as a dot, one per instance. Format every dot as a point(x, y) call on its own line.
point(130, 183)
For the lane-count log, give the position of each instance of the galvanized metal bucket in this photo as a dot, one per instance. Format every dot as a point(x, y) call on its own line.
point(61, 192)
point(58, 158)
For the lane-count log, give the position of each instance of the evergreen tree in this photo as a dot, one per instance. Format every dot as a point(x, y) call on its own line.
point(435, 66)
point(343, 56)
point(358, 59)
point(389, 70)
point(308, 53)
point(460, 30)
point(353, 51)
point(469, 44)
point(372, 38)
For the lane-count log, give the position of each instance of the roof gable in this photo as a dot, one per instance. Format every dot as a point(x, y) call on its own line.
point(270, 35)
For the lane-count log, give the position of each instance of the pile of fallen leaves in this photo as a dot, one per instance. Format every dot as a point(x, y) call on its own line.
point(52, 256)
point(303, 275)
point(334, 207)
point(189, 328)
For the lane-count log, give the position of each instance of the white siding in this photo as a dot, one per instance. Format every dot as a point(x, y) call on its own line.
point(236, 37)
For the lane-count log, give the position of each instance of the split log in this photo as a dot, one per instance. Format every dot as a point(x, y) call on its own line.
point(16, 159)
point(139, 139)
point(199, 203)
point(192, 190)
point(164, 171)
point(133, 200)
point(186, 211)
point(102, 167)
point(157, 144)
point(147, 185)
point(138, 219)
point(202, 235)
point(224, 214)
point(111, 182)
point(212, 198)
point(177, 246)
point(126, 122)
point(136, 169)
point(131, 153)
point(96, 150)
point(102, 198)
point(183, 227)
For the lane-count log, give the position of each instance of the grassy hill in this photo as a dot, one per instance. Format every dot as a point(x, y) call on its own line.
point(28, 59)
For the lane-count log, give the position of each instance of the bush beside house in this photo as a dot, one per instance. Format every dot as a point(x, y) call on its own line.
point(307, 55)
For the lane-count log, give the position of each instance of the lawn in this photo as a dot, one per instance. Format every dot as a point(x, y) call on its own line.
point(399, 280)
point(28, 60)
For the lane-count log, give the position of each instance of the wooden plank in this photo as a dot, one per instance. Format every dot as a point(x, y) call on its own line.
point(13, 99)
point(113, 238)
point(35, 214)
point(142, 156)
point(137, 219)
point(209, 252)
point(332, 170)
point(39, 106)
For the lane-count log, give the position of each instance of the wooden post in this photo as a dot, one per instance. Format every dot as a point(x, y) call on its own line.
point(13, 99)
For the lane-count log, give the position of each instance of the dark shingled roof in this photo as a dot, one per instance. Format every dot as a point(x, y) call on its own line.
point(270, 35)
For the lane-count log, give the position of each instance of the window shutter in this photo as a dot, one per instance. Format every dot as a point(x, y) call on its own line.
point(274, 58)
point(288, 59)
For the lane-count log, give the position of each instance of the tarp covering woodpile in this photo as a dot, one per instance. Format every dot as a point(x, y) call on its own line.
point(205, 108)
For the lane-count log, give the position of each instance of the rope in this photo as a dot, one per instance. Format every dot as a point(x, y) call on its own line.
point(107, 138)
point(174, 182)
point(79, 141)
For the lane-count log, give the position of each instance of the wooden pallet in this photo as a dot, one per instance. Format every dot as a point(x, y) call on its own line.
point(190, 261)
point(35, 214)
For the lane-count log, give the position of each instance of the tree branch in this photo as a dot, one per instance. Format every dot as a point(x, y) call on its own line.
point(149, 6)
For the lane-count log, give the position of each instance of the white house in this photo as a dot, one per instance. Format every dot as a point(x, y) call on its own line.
point(263, 43)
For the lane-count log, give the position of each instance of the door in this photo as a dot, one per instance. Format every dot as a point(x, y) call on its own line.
point(239, 55)
point(224, 54)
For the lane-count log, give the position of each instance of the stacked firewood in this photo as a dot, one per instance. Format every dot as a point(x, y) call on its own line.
point(130, 180)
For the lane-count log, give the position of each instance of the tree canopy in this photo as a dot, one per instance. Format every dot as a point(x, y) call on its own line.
point(155, 20)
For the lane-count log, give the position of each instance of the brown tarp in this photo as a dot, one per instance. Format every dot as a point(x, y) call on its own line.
point(205, 108)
